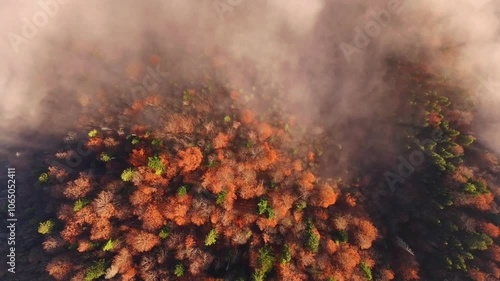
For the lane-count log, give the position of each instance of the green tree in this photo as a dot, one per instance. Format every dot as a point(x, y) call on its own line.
point(179, 270)
point(211, 238)
point(46, 227)
point(95, 271)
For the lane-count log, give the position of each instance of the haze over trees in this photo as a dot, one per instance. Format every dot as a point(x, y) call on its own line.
point(207, 192)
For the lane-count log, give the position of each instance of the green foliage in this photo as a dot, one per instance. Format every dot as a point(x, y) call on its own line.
point(312, 242)
point(286, 255)
point(212, 163)
point(164, 232)
point(105, 157)
point(262, 206)
point(211, 238)
point(265, 263)
point(439, 161)
point(46, 227)
point(221, 197)
point(182, 191)
point(179, 270)
point(135, 140)
point(477, 241)
point(366, 270)
point(465, 140)
point(249, 144)
point(43, 178)
point(93, 133)
point(127, 174)
point(80, 203)
point(445, 154)
point(265, 208)
point(227, 119)
point(186, 96)
point(301, 205)
point(154, 163)
point(270, 213)
point(475, 188)
point(341, 236)
point(156, 142)
point(109, 245)
point(95, 271)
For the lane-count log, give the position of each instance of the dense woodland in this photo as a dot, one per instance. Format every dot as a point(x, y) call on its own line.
point(195, 183)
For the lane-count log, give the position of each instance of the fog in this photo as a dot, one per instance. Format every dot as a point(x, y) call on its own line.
point(328, 56)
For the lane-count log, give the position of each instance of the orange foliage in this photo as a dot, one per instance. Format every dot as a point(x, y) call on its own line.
point(264, 131)
point(101, 230)
point(234, 95)
point(78, 188)
point(138, 198)
point(110, 142)
point(135, 108)
point(85, 215)
point(190, 241)
point(408, 269)
point(324, 196)
point(347, 258)
point(457, 149)
point(95, 144)
point(84, 245)
point(152, 100)
point(366, 234)
point(483, 202)
point(262, 223)
point(297, 166)
point(477, 275)
point(142, 241)
point(434, 119)
point(57, 173)
point(246, 116)
point(59, 268)
point(492, 230)
point(179, 124)
point(306, 181)
point(190, 159)
point(70, 231)
point(350, 200)
point(331, 246)
point(154, 59)
point(494, 253)
point(129, 274)
point(152, 219)
point(386, 274)
point(123, 260)
point(310, 156)
point(281, 203)
point(221, 141)
point(138, 157)
point(176, 209)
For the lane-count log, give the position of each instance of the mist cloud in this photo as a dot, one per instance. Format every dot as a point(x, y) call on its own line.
point(297, 44)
